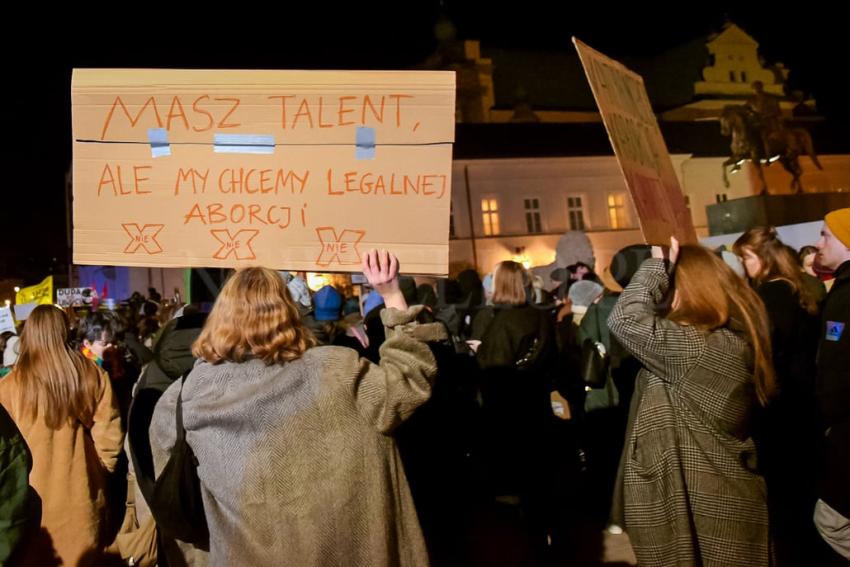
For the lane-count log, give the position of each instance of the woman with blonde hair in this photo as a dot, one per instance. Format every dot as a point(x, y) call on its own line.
point(787, 436)
point(64, 406)
point(692, 495)
point(296, 459)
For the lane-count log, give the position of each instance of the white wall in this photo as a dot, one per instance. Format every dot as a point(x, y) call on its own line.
point(551, 180)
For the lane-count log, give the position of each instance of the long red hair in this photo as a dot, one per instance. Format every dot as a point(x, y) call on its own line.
point(711, 296)
point(253, 317)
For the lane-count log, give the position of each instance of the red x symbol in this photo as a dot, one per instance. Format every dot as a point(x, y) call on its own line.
point(238, 244)
point(342, 248)
point(144, 237)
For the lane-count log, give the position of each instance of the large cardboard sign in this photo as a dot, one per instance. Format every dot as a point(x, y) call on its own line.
point(639, 147)
point(297, 170)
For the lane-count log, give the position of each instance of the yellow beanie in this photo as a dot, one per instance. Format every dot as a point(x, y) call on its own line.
point(839, 223)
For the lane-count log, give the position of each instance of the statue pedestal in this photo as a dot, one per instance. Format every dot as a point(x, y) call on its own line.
point(739, 215)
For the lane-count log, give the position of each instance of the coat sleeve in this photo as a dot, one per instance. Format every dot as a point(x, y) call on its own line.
point(15, 505)
point(666, 348)
point(107, 432)
point(387, 393)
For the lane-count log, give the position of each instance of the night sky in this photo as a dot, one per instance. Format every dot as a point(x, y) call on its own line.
point(36, 118)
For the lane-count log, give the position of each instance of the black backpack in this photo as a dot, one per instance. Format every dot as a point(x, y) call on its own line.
point(176, 502)
point(173, 359)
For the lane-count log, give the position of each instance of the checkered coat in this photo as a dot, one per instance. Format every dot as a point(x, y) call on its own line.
point(690, 490)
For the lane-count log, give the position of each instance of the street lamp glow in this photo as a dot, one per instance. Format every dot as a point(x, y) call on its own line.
point(17, 289)
point(317, 281)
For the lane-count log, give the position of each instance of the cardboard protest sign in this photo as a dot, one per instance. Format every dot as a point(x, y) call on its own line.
point(23, 310)
point(75, 296)
point(7, 323)
point(39, 294)
point(297, 170)
point(639, 147)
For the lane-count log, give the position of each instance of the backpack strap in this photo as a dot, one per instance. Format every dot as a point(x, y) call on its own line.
point(181, 431)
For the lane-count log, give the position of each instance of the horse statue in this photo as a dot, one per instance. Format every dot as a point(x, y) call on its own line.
point(750, 142)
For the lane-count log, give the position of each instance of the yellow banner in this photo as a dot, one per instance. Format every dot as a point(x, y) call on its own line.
point(40, 294)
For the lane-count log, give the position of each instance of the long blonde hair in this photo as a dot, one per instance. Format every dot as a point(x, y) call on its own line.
point(778, 261)
point(711, 296)
point(253, 317)
point(54, 379)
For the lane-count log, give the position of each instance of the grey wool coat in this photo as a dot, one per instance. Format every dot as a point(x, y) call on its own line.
point(297, 462)
point(691, 495)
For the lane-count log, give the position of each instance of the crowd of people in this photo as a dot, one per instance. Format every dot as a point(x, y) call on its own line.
point(703, 407)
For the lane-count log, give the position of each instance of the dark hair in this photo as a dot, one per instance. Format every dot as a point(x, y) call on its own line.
point(626, 262)
point(94, 325)
point(426, 296)
point(154, 295)
point(4, 339)
point(150, 308)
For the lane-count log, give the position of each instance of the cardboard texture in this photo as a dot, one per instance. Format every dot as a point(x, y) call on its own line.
point(296, 170)
point(640, 149)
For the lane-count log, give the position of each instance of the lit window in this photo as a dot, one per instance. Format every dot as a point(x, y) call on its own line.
point(490, 216)
point(617, 214)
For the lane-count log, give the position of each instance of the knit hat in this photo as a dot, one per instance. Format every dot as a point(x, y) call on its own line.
point(373, 300)
point(626, 262)
point(328, 304)
point(583, 293)
point(350, 306)
point(559, 275)
point(839, 224)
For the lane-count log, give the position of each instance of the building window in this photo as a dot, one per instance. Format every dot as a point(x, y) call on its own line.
point(732, 76)
point(617, 215)
point(490, 215)
point(720, 197)
point(743, 76)
point(532, 216)
point(575, 212)
point(451, 220)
